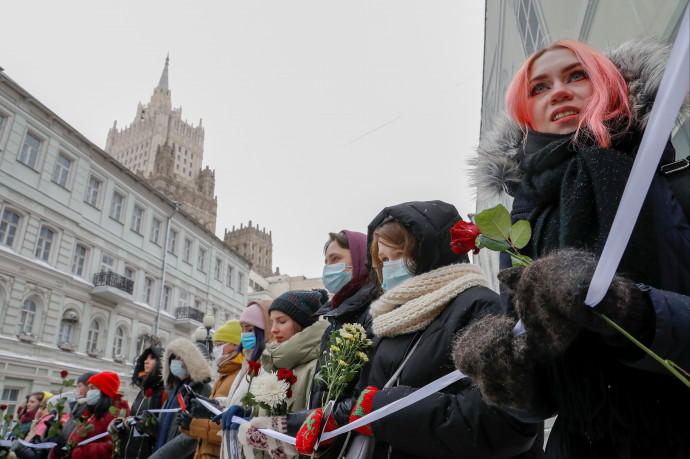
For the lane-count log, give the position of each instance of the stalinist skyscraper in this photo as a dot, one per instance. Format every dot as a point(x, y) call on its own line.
point(168, 152)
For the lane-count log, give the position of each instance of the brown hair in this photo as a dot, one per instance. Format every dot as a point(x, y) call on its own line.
point(340, 238)
point(394, 234)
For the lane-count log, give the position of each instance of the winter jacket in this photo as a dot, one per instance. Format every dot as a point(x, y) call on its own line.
point(40, 435)
point(205, 431)
point(570, 194)
point(75, 416)
point(172, 442)
point(141, 446)
point(298, 354)
point(454, 422)
point(103, 447)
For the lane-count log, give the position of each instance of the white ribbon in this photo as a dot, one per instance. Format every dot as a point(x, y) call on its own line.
point(5, 443)
point(94, 438)
point(165, 410)
point(44, 445)
point(669, 99)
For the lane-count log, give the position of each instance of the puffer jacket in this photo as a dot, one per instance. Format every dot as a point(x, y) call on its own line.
point(628, 422)
point(171, 442)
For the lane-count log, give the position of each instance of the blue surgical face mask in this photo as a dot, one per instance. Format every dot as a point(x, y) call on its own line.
point(177, 369)
point(334, 277)
point(92, 396)
point(394, 273)
point(248, 340)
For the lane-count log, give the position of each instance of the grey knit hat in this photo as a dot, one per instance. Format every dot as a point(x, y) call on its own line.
point(300, 305)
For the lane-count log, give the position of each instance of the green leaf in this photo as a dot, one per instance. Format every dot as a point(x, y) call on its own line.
point(521, 233)
point(491, 244)
point(494, 223)
point(520, 261)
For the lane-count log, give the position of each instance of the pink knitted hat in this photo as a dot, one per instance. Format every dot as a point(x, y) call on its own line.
point(253, 315)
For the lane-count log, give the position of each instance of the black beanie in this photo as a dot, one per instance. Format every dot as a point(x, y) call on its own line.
point(300, 305)
point(85, 377)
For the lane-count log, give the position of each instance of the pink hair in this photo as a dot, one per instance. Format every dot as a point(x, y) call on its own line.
point(609, 98)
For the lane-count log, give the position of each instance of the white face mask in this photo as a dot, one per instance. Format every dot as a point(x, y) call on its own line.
point(92, 396)
point(177, 369)
point(218, 351)
point(394, 273)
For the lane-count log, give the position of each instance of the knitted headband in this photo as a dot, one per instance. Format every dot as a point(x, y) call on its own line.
point(300, 305)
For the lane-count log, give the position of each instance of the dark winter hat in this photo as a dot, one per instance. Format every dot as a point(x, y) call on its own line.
point(300, 305)
point(107, 382)
point(85, 377)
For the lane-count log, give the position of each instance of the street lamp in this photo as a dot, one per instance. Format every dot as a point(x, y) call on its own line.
point(209, 321)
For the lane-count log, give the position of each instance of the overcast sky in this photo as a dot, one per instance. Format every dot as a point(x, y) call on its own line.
point(317, 114)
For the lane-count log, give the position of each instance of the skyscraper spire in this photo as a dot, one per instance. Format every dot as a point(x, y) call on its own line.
point(164, 76)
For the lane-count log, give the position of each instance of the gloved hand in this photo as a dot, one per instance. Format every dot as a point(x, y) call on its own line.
point(310, 431)
point(250, 435)
point(198, 410)
point(226, 416)
point(549, 297)
point(116, 425)
point(362, 408)
point(184, 419)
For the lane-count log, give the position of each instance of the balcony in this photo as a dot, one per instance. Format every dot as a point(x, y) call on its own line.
point(188, 318)
point(112, 287)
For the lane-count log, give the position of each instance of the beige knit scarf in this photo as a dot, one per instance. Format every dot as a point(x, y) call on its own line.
point(414, 304)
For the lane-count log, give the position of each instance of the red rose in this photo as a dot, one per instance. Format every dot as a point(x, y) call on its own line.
point(86, 414)
point(148, 393)
point(63, 374)
point(10, 417)
point(3, 407)
point(254, 368)
point(463, 236)
point(288, 393)
point(287, 375)
point(19, 410)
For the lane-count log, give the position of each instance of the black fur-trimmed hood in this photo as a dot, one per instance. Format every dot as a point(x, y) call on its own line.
point(642, 63)
point(197, 366)
point(155, 378)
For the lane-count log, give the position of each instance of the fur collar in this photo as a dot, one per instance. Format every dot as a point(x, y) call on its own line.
point(197, 366)
point(642, 62)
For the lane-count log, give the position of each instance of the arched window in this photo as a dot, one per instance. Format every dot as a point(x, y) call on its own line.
point(9, 225)
point(67, 331)
point(45, 242)
point(119, 342)
point(94, 336)
point(148, 290)
point(26, 320)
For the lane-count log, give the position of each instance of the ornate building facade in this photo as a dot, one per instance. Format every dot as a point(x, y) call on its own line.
point(168, 152)
point(254, 244)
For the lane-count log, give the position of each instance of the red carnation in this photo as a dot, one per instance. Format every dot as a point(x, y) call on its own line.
point(63, 374)
point(3, 407)
point(463, 236)
point(288, 393)
point(254, 368)
point(148, 393)
point(287, 375)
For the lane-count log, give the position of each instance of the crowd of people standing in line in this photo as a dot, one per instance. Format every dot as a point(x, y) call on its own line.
point(576, 119)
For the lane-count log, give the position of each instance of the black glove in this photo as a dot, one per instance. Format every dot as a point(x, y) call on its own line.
point(184, 419)
point(549, 297)
point(198, 410)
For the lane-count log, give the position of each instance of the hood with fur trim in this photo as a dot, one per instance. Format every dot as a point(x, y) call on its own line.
point(155, 378)
point(642, 63)
point(197, 366)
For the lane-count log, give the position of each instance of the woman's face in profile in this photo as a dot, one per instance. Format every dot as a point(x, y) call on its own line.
point(558, 91)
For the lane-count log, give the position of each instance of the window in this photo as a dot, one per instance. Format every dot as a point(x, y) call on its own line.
point(94, 335)
point(171, 241)
point(8, 227)
point(92, 191)
point(197, 305)
point(240, 282)
point(219, 269)
point(187, 251)
point(26, 320)
point(137, 217)
point(184, 299)
point(166, 297)
point(10, 396)
point(29, 152)
point(129, 273)
point(45, 241)
point(201, 260)
point(155, 230)
point(61, 171)
point(119, 342)
point(116, 206)
point(148, 290)
point(228, 277)
point(79, 259)
point(2, 121)
point(107, 263)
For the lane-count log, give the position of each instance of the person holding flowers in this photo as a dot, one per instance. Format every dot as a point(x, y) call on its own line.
point(293, 358)
point(197, 422)
point(140, 430)
point(427, 294)
point(577, 118)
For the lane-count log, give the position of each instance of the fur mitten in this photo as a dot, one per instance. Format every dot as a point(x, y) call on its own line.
point(549, 297)
point(497, 361)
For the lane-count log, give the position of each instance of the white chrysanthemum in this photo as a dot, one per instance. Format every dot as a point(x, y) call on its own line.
point(267, 389)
